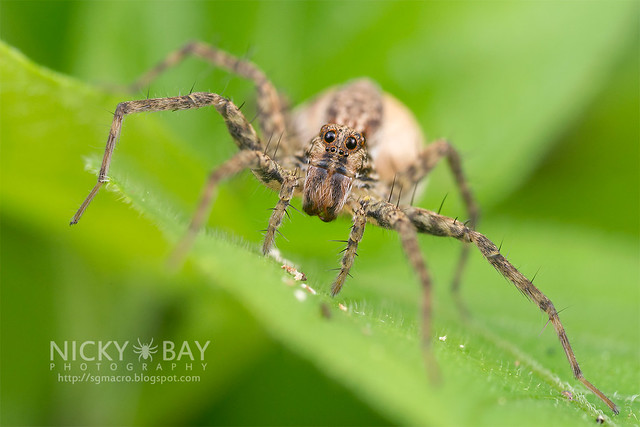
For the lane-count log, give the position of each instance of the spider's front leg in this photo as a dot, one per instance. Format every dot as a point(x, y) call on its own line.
point(242, 132)
point(289, 183)
point(428, 158)
point(431, 223)
point(389, 216)
point(267, 170)
point(357, 230)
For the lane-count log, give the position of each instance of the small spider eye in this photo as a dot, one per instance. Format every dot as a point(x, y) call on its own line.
point(351, 143)
point(330, 136)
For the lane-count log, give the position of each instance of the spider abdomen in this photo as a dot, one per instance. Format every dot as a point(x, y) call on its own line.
point(394, 138)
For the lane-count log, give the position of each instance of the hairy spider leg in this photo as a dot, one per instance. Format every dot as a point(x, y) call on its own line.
point(424, 221)
point(355, 236)
point(289, 184)
point(272, 109)
point(244, 136)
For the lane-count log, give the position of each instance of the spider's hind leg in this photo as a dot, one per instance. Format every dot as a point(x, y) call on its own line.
point(272, 108)
point(389, 216)
point(426, 161)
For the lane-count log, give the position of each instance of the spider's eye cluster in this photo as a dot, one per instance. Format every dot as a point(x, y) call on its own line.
point(330, 136)
point(333, 142)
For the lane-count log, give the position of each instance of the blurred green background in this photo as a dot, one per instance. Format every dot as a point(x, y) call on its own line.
point(541, 98)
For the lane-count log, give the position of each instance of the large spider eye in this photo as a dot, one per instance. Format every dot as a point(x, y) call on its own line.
point(351, 143)
point(330, 136)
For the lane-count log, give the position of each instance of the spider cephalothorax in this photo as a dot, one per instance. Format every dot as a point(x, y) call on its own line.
point(343, 175)
point(336, 157)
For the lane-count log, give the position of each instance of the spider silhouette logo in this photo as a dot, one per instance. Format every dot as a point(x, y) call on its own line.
point(145, 351)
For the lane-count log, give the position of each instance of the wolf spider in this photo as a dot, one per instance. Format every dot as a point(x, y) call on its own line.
point(363, 142)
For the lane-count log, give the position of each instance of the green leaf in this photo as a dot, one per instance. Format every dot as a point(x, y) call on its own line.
point(496, 366)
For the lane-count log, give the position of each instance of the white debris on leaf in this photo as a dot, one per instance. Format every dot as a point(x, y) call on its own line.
point(461, 345)
point(308, 289)
point(297, 275)
point(443, 338)
point(300, 295)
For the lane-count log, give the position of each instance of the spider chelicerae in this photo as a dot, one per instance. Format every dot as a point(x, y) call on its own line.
point(343, 152)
